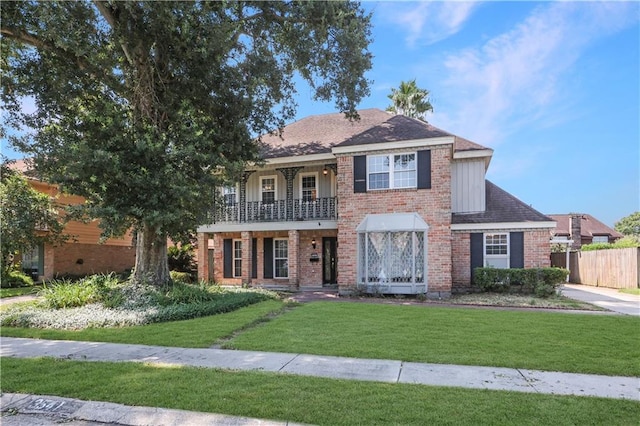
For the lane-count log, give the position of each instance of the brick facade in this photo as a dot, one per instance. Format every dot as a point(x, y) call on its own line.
point(461, 262)
point(537, 253)
point(433, 205)
point(86, 259)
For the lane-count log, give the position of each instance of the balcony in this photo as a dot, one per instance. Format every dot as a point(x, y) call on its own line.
point(257, 211)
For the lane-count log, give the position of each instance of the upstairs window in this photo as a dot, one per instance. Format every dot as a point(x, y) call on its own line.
point(392, 171)
point(308, 187)
point(229, 193)
point(600, 239)
point(268, 189)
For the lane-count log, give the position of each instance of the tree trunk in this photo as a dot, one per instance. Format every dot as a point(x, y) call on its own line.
point(152, 266)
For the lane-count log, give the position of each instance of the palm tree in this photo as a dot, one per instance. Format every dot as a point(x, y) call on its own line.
point(410, 100)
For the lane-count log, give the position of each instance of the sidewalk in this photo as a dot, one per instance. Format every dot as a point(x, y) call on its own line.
point(390, 371)
point(608, 298)
point(37, 410)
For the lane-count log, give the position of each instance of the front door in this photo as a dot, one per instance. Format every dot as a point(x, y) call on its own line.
point(329, 275)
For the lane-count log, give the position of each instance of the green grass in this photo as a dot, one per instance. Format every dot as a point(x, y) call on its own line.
point(308, 400)
point(18, 291)
point(580, 343)
point(635, 291)
point(193, 333)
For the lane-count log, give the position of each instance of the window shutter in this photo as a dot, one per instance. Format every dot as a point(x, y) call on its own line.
point(477, 252)
point(227, 271)
point(516, 250)
point(424, 169)
point(360, 173)
point(268, 258)
point(254, 258)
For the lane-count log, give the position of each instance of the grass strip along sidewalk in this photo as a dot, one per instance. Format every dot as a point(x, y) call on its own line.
point(303, 399)
point(592, 344)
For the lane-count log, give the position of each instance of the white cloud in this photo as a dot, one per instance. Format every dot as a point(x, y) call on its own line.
point(427, 22)
point(513, 79)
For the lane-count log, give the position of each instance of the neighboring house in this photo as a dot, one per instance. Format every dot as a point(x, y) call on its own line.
point(385, 204)
point(583, 229)
point(82, 254)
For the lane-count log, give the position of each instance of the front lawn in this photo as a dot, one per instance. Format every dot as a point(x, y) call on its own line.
point(580, 343)
point(193, 333)
point(18, 291)
point(309, 400)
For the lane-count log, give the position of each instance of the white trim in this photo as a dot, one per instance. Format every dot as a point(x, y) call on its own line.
point(299, 159)
point(416, 143)
point(392, 170)
point(486, 256)
point(501, 226)
point(236, 274)
point(280, 258)
point(305, 225)
point(476, 153)
point(275, 186)
point(307, 174)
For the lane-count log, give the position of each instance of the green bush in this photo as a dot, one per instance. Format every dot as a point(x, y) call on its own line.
point(14, 279)
point(181, 258)
point(625, 242)
point(181, 277)
point(543, 282)
point(185, 294)
point(59, 294)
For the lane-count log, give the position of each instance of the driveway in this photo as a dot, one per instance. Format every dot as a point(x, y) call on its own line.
point(608, 298)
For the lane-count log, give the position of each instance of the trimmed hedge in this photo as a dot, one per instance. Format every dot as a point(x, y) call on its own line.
point(543, 282)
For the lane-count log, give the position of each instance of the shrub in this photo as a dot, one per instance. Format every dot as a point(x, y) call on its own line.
point(13, 279)
point(59, 294)
point(625, 242)
point(542, 282)
point(182, 277)
point(180, 258)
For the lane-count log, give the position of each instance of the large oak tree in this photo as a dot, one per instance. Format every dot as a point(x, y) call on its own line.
point(140, 104)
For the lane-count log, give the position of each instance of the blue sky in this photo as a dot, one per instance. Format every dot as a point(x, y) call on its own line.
point(552, 87)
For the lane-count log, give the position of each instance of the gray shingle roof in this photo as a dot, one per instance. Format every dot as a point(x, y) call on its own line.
point(501, 207)
point(589, 226)
point(317, 134)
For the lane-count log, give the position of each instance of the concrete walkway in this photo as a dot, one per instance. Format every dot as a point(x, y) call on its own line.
point(390, 371)
point(608, 298)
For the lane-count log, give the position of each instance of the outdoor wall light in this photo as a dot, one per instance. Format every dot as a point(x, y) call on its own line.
point(313, 243)
point(325, 171)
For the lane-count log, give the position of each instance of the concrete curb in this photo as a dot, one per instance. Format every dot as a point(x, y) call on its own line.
point(58, 409)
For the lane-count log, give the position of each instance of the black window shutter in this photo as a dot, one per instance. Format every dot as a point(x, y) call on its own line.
point(227, 271)
point(516, 250)
point(360, 173)
point(254, 258)
point(477, 251)
point(268, 258)
point(424, 169)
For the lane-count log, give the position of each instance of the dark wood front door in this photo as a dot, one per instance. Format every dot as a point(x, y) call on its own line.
point(329, 275)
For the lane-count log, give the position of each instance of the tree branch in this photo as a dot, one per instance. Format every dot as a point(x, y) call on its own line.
point(107, 13)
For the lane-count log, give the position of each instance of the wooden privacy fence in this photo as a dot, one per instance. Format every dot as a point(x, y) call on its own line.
point(614, 268)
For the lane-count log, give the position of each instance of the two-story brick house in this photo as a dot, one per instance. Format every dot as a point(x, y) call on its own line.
point(385, 204)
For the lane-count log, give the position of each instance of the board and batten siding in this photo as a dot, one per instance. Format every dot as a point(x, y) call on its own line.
point(467, 186)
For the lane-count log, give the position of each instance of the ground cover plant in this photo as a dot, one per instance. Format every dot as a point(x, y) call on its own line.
point(309, 400)
point(580, 343)
point(106, 301)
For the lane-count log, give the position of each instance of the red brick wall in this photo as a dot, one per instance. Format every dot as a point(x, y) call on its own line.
point(537, 249)
point(433, 205)
point(85, 259)
point(461, 261)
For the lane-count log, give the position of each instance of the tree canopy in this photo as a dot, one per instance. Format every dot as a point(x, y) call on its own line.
point(629, 225)
point(27, 217)
point(140, 104)
point(410, 100)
